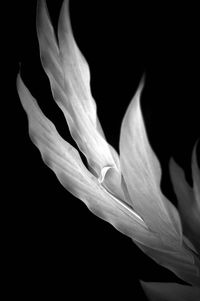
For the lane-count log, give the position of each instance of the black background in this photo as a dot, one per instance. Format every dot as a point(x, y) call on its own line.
point(58, 247)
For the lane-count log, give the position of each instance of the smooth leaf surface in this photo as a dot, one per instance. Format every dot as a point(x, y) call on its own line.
point(66, 163)
point(142, 173)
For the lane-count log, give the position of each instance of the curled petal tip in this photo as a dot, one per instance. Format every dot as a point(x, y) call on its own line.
point(126, 191)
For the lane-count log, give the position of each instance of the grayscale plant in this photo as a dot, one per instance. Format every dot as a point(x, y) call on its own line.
point(123, 189)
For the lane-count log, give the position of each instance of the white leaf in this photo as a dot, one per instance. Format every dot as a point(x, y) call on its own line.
point(69, 77)
point(142, 173)
point(66, 163)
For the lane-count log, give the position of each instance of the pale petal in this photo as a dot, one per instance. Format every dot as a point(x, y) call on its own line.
point(187, 201)
point(142, 173)
point(69, 77)
point(66, 163)
point(157, 291)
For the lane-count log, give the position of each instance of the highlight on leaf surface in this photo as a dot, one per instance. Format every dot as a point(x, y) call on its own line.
point(123, 189)
point(69, 78)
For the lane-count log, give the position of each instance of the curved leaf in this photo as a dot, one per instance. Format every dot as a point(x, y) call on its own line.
point(66, 163)
point(141, 171)
point(69, 77)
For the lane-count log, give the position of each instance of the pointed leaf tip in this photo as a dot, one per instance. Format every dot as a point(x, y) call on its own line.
point(182, 189)
point(69, 77)
point(187, 204)
point(66, 163)
point(141, 170)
